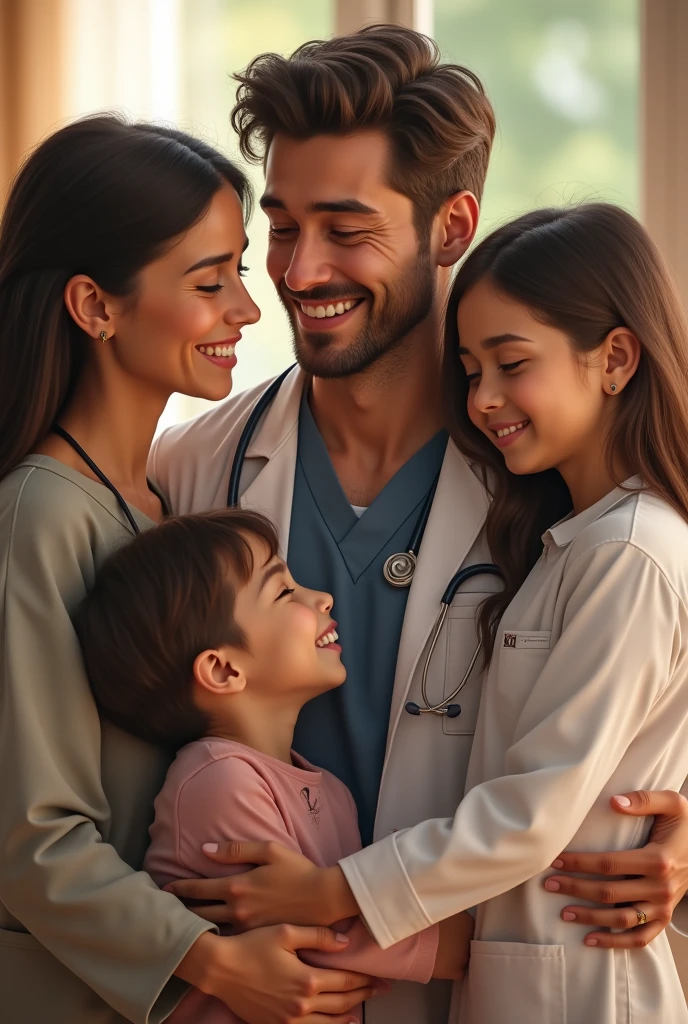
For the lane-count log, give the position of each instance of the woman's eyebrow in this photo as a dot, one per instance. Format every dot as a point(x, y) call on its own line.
point(494, 341)
point(211, 261)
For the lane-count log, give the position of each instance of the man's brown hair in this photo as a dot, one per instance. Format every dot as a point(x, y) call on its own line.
point(384, 78)
point(156, 604)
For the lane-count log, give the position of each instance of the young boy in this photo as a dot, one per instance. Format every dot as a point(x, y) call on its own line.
point(196, 636)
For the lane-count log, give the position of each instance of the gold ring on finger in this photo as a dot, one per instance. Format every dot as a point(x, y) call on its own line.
point(642, 916)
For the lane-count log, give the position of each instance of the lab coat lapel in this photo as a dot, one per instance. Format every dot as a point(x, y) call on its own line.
point(271, 458)
point(456, 518)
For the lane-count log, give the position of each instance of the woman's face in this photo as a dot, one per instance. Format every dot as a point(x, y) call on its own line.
point(180, 331)
point(530, 392)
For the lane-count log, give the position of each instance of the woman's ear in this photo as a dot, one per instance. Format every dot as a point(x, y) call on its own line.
point(621, 355)
point(218, 672)
point(88, 306)
point(454, 228)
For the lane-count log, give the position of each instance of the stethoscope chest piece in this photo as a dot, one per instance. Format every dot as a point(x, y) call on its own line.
point(399, 568)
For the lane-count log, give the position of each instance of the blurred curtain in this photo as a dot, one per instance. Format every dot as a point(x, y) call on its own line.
point(32, 47)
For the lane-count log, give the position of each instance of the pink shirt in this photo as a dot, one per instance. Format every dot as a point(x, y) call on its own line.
point(217, 790)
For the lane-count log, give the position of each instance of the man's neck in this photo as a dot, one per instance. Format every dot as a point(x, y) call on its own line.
point(374, 422)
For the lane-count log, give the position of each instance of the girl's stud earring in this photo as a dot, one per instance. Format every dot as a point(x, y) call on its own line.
point(103, 336)
point(612, 387)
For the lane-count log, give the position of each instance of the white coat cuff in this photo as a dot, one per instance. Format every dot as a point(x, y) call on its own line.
point(387, 901)
point(679, 920)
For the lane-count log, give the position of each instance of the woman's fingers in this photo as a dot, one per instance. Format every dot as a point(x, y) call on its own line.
point(621, 918)
point(608, 890)
point(203, 889)
point(636, 938)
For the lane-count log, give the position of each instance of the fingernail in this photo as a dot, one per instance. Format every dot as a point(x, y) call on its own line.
point(623, 801)
point(552, 885)
point(342, 938)
point(557, 863)
point(210, 847)
point(568, 916)
point(591, 942)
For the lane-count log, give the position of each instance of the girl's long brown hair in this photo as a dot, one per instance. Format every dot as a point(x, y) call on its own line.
point(585, 271)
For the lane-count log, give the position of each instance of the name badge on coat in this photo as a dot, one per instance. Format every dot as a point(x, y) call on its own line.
point(526, 640)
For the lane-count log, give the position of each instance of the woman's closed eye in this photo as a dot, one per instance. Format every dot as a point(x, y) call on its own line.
point(510, 367)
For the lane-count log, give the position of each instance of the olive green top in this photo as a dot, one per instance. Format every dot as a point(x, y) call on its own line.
point(85, 935)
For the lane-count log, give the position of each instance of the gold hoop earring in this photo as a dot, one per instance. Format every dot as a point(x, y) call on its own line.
point(103, 336)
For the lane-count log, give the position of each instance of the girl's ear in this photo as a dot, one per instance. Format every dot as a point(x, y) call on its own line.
point(621, 355)
point(218, 671)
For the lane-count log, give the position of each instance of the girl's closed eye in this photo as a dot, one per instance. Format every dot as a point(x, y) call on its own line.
point(210, 289)
point(285, 592)
point(509, 367)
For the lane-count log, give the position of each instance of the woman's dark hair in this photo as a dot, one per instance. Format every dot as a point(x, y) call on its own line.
point(585, 271)
point(156, 604)
point(101, 197)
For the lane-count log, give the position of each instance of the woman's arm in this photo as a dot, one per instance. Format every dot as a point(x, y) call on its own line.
point(105, 922)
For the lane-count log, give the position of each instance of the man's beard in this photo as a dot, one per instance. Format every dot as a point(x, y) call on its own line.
point(407, 303)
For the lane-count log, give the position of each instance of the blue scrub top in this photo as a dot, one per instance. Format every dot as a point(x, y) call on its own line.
point(330, 548)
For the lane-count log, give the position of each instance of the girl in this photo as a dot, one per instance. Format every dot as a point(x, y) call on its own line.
point(567, 367)
point(120, 283)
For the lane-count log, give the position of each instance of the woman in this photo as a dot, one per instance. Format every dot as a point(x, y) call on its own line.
point(120, 283)
point(567, 366)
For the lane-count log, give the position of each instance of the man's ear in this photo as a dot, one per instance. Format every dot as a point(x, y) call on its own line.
point(454, 228)
point(219, 671)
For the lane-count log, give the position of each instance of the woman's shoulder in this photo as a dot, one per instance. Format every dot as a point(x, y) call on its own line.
point(642, 526)
point(42, 500)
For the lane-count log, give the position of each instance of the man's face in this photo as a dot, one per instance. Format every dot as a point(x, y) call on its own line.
point(343, 253)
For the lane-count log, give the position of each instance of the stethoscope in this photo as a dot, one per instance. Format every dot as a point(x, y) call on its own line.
point(398, 569)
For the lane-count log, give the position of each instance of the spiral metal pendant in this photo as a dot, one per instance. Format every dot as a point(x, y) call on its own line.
point(399, 569)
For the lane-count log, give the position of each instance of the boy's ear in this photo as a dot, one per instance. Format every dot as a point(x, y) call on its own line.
point(219, 672)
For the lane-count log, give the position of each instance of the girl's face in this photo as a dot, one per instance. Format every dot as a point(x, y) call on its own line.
point(537, 399)
point(189, 310)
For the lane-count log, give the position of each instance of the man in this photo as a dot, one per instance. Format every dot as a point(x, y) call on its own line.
point(375, 160)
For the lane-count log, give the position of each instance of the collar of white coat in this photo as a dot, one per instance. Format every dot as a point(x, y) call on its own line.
point(566, 530)
point(281, 417)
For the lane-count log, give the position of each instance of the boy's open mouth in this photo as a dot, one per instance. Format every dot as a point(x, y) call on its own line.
point(329, 637)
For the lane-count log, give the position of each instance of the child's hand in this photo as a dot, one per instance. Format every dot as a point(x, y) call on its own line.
point(454, 947)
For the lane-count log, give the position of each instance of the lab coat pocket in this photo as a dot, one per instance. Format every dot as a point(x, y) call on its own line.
point(462, 639)
point(513, 982)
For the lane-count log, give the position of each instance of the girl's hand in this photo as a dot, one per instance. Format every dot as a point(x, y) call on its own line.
point(285, 887)
point(261, 979)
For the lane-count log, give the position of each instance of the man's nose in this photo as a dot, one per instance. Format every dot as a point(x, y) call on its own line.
point(307, 267)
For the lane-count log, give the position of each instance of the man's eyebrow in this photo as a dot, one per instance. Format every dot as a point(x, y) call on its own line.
point(494, 341)
point(274, 569)
point(211, 261)
point(270, 202)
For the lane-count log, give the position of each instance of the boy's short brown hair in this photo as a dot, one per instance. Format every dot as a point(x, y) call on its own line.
point(383, 78)
point(157, 603)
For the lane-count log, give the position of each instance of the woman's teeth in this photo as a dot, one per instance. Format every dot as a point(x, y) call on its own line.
point(322, 311)
point(217, 350)
point(329, 638)
point(512, 429)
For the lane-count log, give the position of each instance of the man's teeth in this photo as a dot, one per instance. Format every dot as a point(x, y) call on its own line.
point(217, 350)
point(320, 311)
point(512, 429)
point(329, 638)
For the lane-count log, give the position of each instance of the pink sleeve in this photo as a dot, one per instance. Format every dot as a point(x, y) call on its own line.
point(229, 799)
point(411, 959)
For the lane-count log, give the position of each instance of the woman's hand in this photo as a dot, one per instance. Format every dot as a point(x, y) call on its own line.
point(286, 886)
point(259, 976)
point(454, 947)
point(652, 879)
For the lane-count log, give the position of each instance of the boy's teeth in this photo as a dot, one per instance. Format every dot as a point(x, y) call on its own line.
point(512, 429)
point(329, 638)
point(322, 311)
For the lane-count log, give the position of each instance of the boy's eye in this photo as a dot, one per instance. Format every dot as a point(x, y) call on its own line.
point(210, 289)
point(285, 592)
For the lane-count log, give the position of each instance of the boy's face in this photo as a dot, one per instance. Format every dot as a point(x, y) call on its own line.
point(289, 632)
